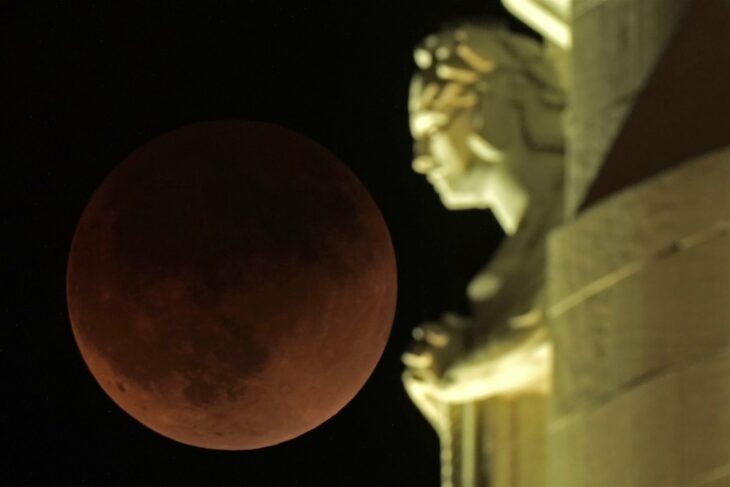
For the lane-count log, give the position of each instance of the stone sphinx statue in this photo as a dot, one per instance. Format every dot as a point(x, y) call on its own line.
point(601, 358)
point(486, 117)
point(485, 114)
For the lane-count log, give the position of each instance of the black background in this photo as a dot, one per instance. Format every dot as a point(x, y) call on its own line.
point(87, 83)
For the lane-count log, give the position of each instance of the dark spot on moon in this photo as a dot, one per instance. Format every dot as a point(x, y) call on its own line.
point(200, 392)
point(121, 387)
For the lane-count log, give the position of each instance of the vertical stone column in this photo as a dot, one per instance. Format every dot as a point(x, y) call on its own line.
point(639, 313)
point(515, 431)
point(499, 441)
point(616, 44)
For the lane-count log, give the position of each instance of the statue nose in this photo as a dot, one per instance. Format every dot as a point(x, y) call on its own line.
point(423, 164)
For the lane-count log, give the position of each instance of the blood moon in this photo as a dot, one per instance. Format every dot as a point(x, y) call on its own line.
point(231, 285)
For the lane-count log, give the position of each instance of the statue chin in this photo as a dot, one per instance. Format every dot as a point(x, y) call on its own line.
point(482, 187)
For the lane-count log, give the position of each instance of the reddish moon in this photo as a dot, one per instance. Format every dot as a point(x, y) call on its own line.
point(231, 285)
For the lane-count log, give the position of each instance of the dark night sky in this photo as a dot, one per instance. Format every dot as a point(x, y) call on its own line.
point(89, 84)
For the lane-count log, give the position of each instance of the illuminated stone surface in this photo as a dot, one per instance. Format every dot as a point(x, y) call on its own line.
point(638, 304)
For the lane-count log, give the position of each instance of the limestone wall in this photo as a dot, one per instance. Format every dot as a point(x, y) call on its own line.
point(639, 308)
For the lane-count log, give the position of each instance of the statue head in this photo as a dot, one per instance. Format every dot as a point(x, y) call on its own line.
point(485, 112)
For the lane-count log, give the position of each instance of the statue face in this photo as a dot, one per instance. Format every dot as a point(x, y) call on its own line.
point(463, 166)
point(467, 119)
point(447, 116)
point(441, 150)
